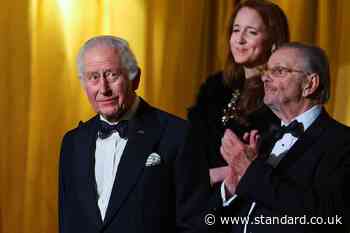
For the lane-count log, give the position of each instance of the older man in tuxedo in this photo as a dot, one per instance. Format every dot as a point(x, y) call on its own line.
point(294, 178)
point(128, 169)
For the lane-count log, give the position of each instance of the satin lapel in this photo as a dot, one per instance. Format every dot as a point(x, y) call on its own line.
point(305, 141)
point(143, 136)
point(266, 143)
point(85, 169)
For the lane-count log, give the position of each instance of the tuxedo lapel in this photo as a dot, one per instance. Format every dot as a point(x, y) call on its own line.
point(85, 168)
point(266, 143)
point(143, 135)
point(305, 141)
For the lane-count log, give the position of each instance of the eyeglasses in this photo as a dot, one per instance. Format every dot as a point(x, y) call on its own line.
point(279, 71)
point(95, 77)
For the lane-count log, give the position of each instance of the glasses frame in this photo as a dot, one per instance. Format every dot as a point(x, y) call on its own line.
point(273, 72)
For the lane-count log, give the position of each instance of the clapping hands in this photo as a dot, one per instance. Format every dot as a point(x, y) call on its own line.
point(239, 154)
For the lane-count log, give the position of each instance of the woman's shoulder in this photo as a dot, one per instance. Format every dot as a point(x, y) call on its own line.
point(212, 95)
point(214, 88)
point(214, 82)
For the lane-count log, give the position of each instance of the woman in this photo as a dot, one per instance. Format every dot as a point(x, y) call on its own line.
point(234, 98)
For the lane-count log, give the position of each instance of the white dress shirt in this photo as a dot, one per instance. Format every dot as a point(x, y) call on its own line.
point(279, 150)
point(282, 146)
point(107, 156)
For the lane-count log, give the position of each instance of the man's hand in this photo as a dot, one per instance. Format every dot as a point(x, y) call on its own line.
point(239, 154)
point(218, 174)
point(231, 181)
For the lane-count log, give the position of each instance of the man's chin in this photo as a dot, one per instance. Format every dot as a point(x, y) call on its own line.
point(268, 102)
point(111, 116)
point(271, 105)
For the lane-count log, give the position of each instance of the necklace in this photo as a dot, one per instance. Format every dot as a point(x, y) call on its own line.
point(231, 110)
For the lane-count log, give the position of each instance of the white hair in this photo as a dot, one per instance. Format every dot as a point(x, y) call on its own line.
point(127, 57)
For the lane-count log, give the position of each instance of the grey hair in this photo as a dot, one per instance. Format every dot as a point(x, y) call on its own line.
point(128, 60)
point(316, 61)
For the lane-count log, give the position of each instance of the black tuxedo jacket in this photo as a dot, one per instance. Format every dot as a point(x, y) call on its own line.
point(310, 181)
point(153, 199)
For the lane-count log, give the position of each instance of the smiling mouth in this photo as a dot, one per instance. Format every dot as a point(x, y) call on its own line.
point(239, 50)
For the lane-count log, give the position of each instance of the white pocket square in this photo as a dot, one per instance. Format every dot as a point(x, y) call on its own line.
point(153, 160)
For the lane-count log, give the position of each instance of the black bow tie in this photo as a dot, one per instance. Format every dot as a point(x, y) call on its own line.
point(105, 129)
point(295, 128)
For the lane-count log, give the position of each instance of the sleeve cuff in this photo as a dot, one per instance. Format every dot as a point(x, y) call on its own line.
point(225, 202)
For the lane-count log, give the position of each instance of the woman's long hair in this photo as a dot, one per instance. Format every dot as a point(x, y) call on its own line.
point(276, 23)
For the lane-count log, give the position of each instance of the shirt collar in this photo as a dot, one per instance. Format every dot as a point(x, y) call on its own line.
point(307, 117)
point(128, 115)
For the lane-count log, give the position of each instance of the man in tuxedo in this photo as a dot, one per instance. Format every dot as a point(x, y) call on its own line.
point(128, 169)
point(293, 179)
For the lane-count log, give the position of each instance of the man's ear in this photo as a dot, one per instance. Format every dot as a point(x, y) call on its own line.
point(136, 81)
point(311, 84)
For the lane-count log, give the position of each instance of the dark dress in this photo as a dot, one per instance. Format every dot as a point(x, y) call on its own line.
point(205, 118)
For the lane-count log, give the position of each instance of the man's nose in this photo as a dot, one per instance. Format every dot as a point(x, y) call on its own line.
point(104, 86)
point(265, 77)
